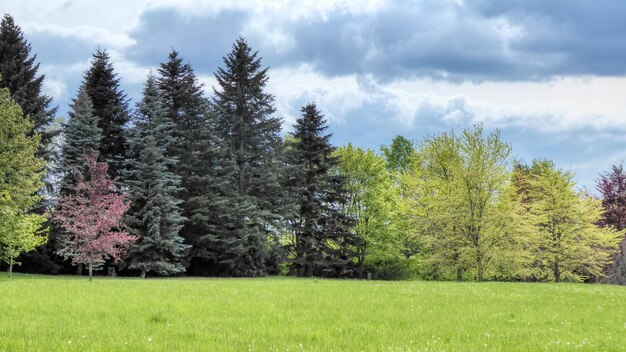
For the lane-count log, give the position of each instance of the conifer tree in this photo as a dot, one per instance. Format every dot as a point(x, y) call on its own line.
point(82, 136)
point(111, 108)
point(251, 132)
point(205, 167)
point(18, 73)
point(324, 242)
point(154, 214)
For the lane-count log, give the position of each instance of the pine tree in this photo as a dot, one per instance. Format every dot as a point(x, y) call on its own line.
point(324, 242)
point(111, 108)
point(154, 215)
point(18, 73)
point(205, 167)
point(82, 136)
point(252, 134)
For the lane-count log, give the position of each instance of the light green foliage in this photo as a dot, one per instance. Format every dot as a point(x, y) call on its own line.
point(461, 203)
point(20, 179)
point(52, 313)
point(399, 154)
point(373, 202)
point(568, 243)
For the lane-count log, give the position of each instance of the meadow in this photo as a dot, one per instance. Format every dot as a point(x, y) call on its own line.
point(48, 313)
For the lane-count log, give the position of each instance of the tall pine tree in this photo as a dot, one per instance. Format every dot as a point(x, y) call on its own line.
point(204, 166)
point(246, 122)
point(324, 243)
point(154, 215)
point(82, 136)
point(18, 73)
point(110, 105)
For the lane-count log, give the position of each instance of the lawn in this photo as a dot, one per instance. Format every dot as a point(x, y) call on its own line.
point(47, 313)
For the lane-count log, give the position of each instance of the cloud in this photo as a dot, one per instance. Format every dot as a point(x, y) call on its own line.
point(201, 40)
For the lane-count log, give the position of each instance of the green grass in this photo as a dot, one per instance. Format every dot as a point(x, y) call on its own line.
point(45, 313)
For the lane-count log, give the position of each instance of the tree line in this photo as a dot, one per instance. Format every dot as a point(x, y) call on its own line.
point(190, 183)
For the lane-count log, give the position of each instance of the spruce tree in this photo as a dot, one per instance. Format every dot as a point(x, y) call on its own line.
point(111, 107)
point(18, 73)
point(251, 132)
point(82, 136)
point(154, 216)
point(325, 244)
point(205, 167)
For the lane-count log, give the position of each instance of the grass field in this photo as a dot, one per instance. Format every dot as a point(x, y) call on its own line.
point(46, 313)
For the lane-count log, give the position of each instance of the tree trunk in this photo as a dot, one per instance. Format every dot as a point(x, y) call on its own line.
point(90, 272)
point(79, 269)
point(143, 274)
point(459, 274)
point(10, 267)
point(557, 272)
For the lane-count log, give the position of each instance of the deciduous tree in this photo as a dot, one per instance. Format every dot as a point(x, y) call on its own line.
point(463, 205)
point(612, 186)
point(91, 216)
point(570, 245)
point(372, 201)
point(20, 179)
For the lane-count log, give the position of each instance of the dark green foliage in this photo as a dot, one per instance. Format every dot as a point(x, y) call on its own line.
point(205, 167)
point(18, 73)
point(398, 154)
point(81, 135)
point(324, 243)
point(252, 135)
point(111, 107)
point(154, 215)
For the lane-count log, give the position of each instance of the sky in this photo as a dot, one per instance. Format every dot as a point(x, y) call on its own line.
point(550, 75)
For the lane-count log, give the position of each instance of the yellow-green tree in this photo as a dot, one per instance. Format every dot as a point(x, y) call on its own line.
point(20, 179)
point(462, 202)
point(568, 243)
point(372, 202)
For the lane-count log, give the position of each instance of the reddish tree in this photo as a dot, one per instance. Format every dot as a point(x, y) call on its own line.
point(91, 215)
point(612, 185)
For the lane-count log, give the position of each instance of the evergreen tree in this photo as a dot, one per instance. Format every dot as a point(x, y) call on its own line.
point(154, 215)
point(111, 108)
point(252, 134)
point(18, 73)
point(82, 136)
point(205, 167)
point(324, 242)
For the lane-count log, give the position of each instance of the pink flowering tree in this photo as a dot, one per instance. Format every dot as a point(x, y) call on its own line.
point(91, 214)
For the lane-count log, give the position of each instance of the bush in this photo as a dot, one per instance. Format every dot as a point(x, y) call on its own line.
point(391, 268)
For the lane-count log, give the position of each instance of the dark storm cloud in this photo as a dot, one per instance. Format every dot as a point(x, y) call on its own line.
point(200, 40)
point(437, 39)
